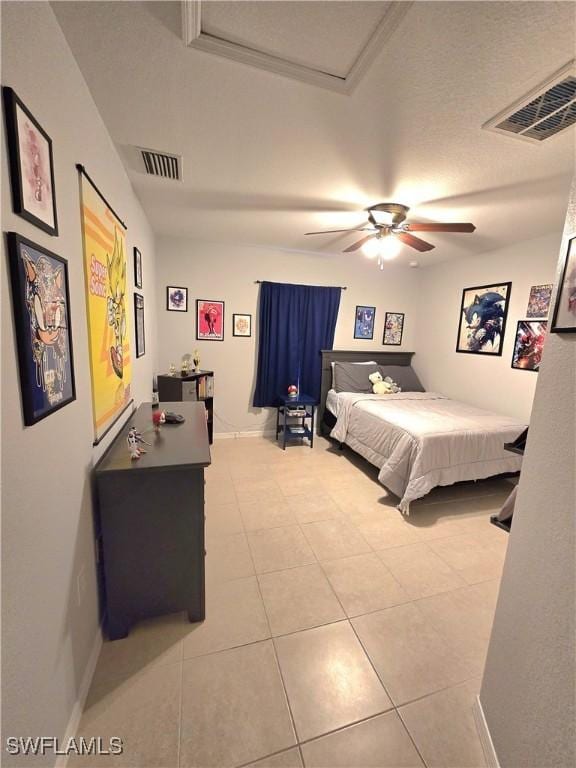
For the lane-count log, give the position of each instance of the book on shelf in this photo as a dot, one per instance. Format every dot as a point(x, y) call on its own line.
point(205, 387)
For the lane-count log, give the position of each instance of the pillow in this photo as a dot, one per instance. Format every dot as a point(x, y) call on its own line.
point(404, 376)
point(367, 362)
point(353, 377)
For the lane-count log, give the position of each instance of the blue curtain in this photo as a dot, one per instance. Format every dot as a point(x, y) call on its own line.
point(296, 322)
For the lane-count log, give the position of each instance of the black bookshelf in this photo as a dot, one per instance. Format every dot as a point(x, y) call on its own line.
point(190, 387)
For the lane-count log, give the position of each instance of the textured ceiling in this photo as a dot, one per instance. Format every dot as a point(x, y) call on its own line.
point(267, 158)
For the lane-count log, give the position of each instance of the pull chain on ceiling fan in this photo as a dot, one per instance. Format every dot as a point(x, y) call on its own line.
point(389, 220)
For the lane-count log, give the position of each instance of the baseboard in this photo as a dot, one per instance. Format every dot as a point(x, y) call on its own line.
point(484, 734)
point(250, 433)
point(78, 707)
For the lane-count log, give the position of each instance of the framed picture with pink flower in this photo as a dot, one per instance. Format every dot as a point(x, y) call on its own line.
point(209, 320)
point(31, 165)
point(564, 319)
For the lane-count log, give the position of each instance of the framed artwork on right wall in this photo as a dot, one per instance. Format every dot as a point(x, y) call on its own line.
point(539, 300)
point(564, 319)
point(528, 344)
point(483, 313)
point(393, 328)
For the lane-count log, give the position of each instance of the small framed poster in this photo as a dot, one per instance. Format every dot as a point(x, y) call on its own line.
point(393, 328)
point(139, 325)
point(564, 320)
point(241, 325)
point(41, 305)
point(539, 300)
point(528, 344)
point(31, 165)
point(209, 320)
point(176, 299)
point(483, 313)
point(137, 268)
point(364, 322)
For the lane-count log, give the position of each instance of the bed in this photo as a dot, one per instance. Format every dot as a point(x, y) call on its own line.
point(418, 440)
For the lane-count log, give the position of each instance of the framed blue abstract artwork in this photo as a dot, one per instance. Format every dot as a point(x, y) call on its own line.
point(364, 322)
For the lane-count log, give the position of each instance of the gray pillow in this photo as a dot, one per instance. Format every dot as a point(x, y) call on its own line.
point(351, 377)
point(404, 376)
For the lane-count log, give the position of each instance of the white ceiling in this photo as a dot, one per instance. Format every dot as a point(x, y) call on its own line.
point(267, 158)
point(328, 36)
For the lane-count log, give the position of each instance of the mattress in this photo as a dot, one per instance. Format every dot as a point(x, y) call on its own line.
point(332, 402)
point(420, 440)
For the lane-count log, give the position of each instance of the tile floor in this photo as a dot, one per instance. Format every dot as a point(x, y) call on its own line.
point(338, 632)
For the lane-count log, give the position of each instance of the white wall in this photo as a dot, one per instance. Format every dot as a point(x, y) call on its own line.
point(47, 638)
point(529, 687)
point(487, 382)
point(229, 274)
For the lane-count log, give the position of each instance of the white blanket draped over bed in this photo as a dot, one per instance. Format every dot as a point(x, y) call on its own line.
point(422, 439)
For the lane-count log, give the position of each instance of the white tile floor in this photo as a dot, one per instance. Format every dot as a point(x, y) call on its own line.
point(338, 632)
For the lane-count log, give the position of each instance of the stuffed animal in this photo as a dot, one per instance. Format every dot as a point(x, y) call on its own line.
point(382, 386)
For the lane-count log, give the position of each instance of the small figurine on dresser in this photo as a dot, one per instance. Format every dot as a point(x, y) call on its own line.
point(158, 418)
point(134, 439)
point(196, 361)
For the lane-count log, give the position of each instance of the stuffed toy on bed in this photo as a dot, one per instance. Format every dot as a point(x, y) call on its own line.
point(382, 386)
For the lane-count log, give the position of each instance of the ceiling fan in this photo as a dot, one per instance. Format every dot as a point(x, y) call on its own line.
point(389, 220)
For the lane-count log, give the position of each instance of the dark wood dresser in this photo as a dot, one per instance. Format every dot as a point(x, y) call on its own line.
point(151, 519)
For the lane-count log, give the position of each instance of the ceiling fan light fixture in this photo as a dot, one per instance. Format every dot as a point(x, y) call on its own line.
point(385, 247)
point(390, 248)
point(371, 248)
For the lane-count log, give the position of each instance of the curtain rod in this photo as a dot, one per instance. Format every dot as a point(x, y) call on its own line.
point(342, 287)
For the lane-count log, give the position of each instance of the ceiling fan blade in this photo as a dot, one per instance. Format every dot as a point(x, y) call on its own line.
point(439, 227)
point(333, 231)
point(359, 243)
point(414, 242)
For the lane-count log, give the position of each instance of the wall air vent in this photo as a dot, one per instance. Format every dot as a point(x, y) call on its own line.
point(542, 113)
point(161, 164)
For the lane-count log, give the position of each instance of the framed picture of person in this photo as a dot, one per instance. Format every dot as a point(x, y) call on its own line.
point(209, 320)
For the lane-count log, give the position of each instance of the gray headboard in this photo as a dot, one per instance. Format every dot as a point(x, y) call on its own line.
point(353, 356)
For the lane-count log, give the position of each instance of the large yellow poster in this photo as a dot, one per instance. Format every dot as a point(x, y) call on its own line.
point(107, 308)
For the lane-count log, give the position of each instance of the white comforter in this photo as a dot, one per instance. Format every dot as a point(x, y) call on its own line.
point(422, 439)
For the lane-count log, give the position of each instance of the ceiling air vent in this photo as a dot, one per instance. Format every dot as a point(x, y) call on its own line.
point(161, 164)
point(542, 113)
